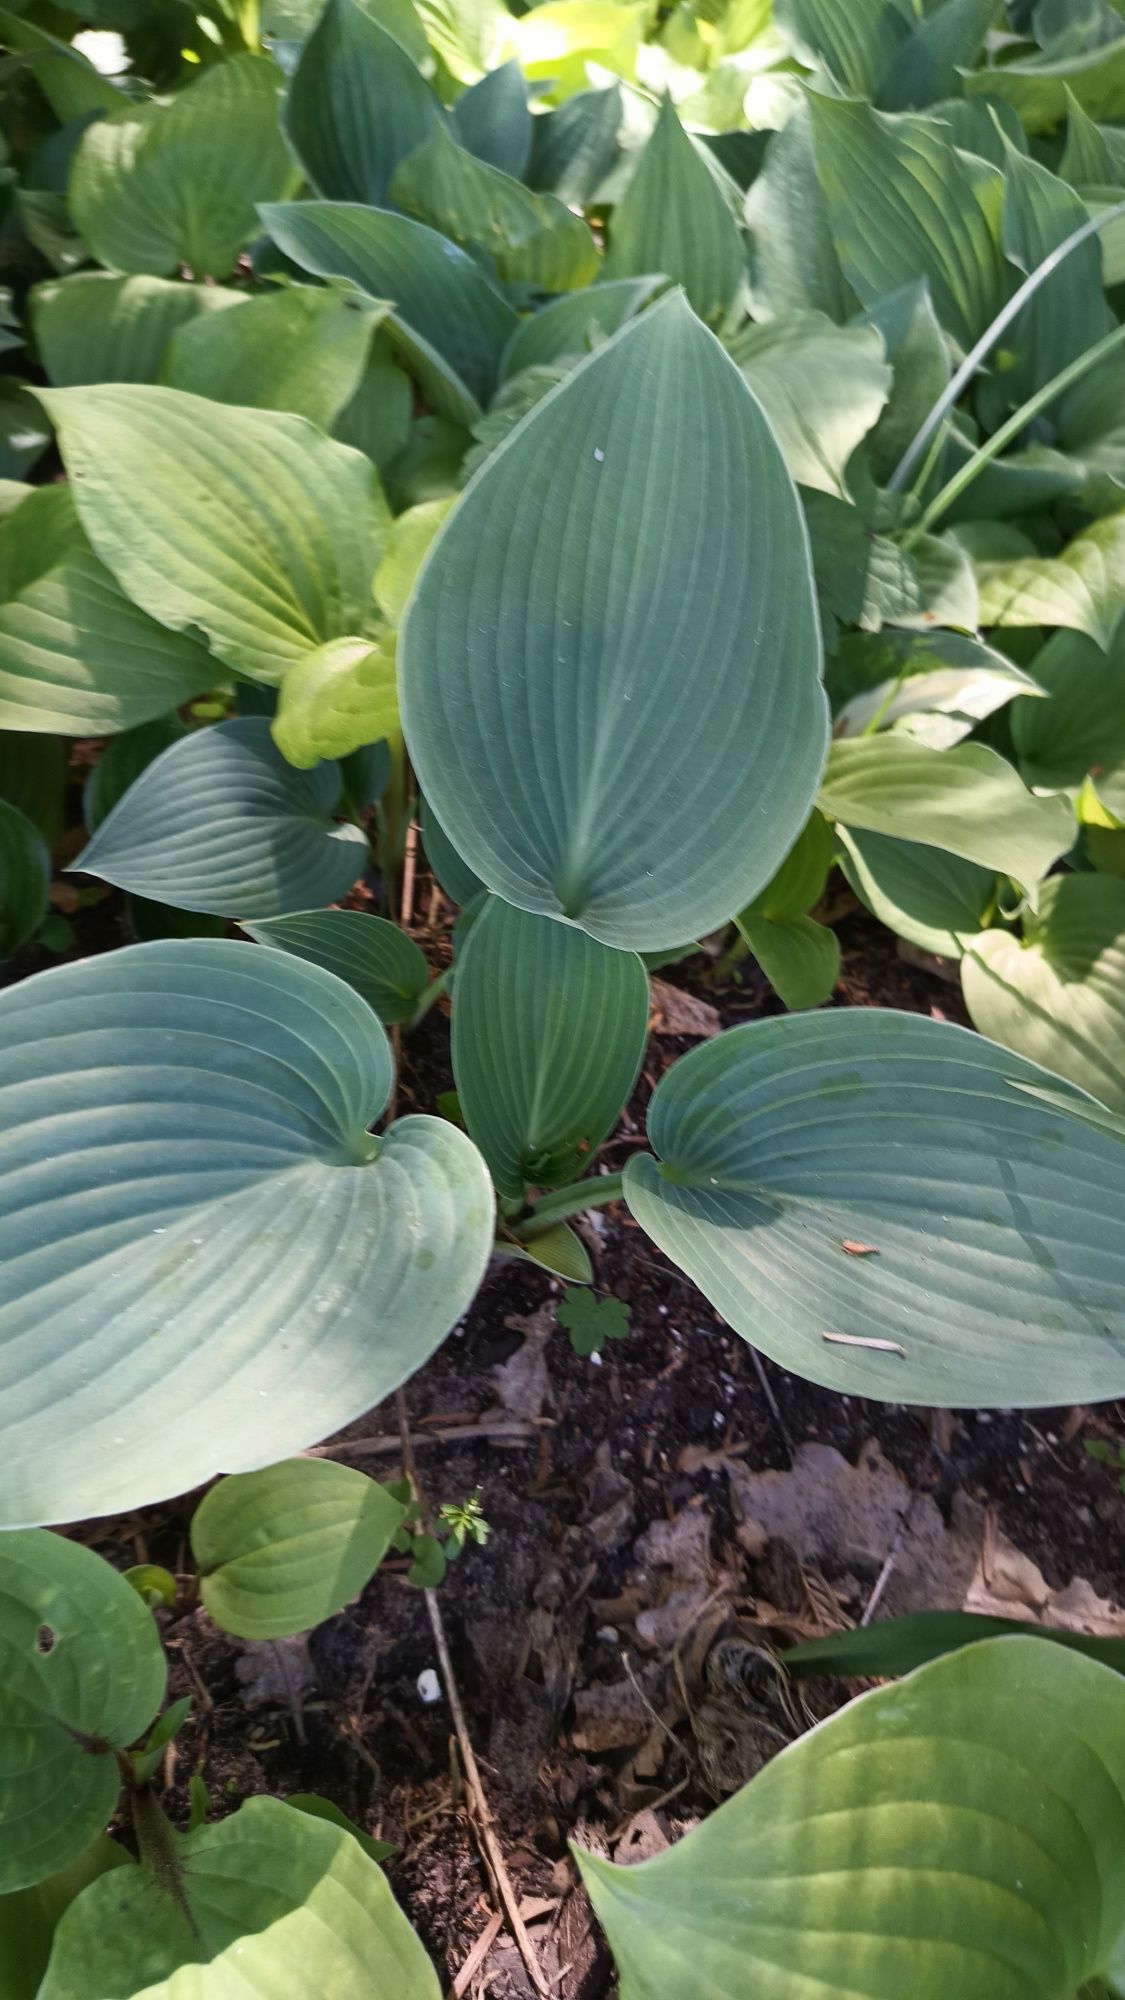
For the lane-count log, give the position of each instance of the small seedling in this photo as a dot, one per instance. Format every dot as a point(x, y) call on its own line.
point(463, 1520)
point(590, 1321)
point(1112, 1455)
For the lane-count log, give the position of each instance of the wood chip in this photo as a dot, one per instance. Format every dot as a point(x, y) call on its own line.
point(858, 1340)
point(675, 1012)
point(858, 1249)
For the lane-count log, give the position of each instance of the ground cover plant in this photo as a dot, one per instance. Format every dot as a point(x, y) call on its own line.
point(659, 469)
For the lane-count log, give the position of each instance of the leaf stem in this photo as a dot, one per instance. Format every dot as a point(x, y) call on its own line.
point(433, 992)
point(565, 1201)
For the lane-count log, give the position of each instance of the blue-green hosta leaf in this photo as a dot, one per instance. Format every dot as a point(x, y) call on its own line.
point(81, 1665)
point(800, 958)
point(371, 955)
point(121, 763)
point(531, 239)
point(993, 1215)
point(630, 743)
point(903, 204)
point(853, 43)
point(1040, 88)
point(492, 119)
point(356, 105)
point(69, 81)
point(76, 655)
point(957, 1833)
point(449, 324)
point(281, 1550)
point(25, 874)
point(801, 879)
point(249, 525)
point(158, 184)
point(302, 349)
point(1082, 589)
point(575, 323)
point(95, 327)
point(1080, 727)
point(1068, 313)
point(1090, 423)
point(793, 261)
point(452, 873)
point(821, 386)
point(675, 217)
point(1057, 995)
point(1094, 155)
point(548, 1034)
point(222, 1302)
point(967, 801)
point(336, 700)
point(377, 420)
point(220, 822)
point(574, 146)
point(962, 696)
point(927, 66)
point(933, 899)
point(271, 1901)
point(919, 356)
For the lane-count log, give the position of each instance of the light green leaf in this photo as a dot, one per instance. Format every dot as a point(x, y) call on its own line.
point(81, 1674)
point(675, 217)
point(320, 1808)
point(919, 354)
point(25, 874)
point(800, 881)
point(576, 323)
point(356, 105)
point(271, 1900)
point(249, 525)
point(98, 328)
point(1040, 88)
point(800, 958)
point(530, 238)
point(995, 1216)
point(965, 695)
point(821, 386)
point(957, 1833)
point(226, 1301)
point(375, 958)
point(1081, 725)
point(70, 83)
point(409, 539)
point(854, 43)
point(492, 119)
point(76, 655)
point(337, 700)
point(898, 1645)
point(29, 1917)
point(548, 1034)
point(793, 261)
point(160, 183)
point(967, 801)
point(1057, 995)
point(558, 1250)
point(302, 349)
point(281, 1550)
point(221, 823)
point(928, 64)
point(466, 34)
point(632, 746)
point(1083, 588)
point(449, 324)
point(904, 204)
point(556, 42)
point(933, 899)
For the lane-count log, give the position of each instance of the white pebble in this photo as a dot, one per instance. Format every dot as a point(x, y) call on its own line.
point(429, 1687)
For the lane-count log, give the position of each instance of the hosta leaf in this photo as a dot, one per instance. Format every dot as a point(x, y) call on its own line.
point(281, 1550)
point(674, 217)
point(158, 184)
point(225, 1301)
point(800, 881)
point(449, 324)
point(800, 958)
point(34, 776)
point(453, 874)
point(409, 539)
point(94, 327)
point(1058, 994)
point(1081, 725)
point(1083, 588)
point(928, 64)
point(574, 324)
point(792, 257)
point(221, 823)
point(966, 694)
point(574, 146)
point(898, 1645)
point(933, 899)
point(557, 41)
point(548, 1033)
point(277, 1902)
point(357, 104)
point(371, 955)
point(82, 1674)
point(821, 386)
point(956, 1833)
point(25, 874)
point(30, 1917)
point(336, 700)
point(967, 800)
point(303, 349)
point(919, 355)
point(995, 1216)
point(629, 744)
point(493, 120)
point(1040, 88)
point(1068, 312)
point(531, 238)
point(377, 420)
point(249, 525)
point(121, 763)
point(853, 43)
point(903, 204)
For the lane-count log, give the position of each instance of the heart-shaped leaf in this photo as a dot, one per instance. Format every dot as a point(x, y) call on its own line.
point(960, 1832)
point(213, 1262)
point(548, 1034)
point(631, 742)
point(1082, 588)
point(247, 524)
point(1081, 726)
point(303, 349)
point(675, 217)
point(94, 327)
point(994, 1217)
point(281, 1550)
point(821, 386)
point(934, 899)
point(220, 822)
point(371, 955)
point(800, 958)
point(337, 700)
point(30, 1917)
point(81, 1675)
point(357, 104)
point(162, 183)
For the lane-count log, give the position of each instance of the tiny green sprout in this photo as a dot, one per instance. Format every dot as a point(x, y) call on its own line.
point(1112, 1455)
point(156, 1586)
point(590, 1321)
point(146, 1759)
point(463, 1520)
